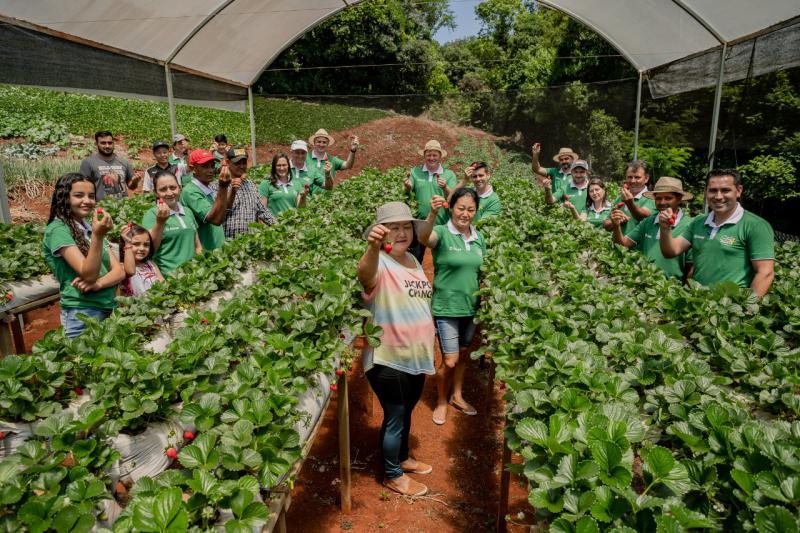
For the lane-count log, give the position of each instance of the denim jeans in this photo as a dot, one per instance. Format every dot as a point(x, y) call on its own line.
point(398, 393)
point(74, 326)
point(454, 332)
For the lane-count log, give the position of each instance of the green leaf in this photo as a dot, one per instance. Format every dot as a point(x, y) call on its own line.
point(659, 462)
point(609, 459)
point(774, 519)
point(586, 525)
point(71, 520)
point(168, 512)
point(608, 506)
point(201, 453)
point(668, 524)
point(532, 430)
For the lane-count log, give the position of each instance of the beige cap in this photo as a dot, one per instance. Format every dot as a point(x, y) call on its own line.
point(433, 145)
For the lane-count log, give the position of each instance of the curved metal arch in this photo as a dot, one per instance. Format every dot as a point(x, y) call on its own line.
point(189, 36)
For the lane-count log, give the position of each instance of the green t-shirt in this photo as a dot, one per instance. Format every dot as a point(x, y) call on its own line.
point(456, 264)
point(308, 176)
point(317, 166)
point(558, 179)
point(642, 201)
point(646, 235)
point(177, 241)
point(488, 207)
point(596, 218)
point(727, 254)
point(198, 203)
point(57, 236)
point(280, 199)
point(425, 187)
point(577, 197)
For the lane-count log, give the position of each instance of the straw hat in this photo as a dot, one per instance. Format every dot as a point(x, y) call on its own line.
point(565, 151)
point(394, 212)
point(433, 145)
point(320, 133)
point(667, 184)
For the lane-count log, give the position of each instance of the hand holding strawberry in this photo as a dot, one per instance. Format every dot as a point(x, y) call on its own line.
point(327, 168)
point(162, 211)
point(377, 235)
point(438, 202)
point(536, 149)
point(354, 143)
point(407, 182)
point(440, 181)
point(102, 223)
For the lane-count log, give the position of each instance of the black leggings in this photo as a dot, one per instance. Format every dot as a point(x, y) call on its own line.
point(398, 393)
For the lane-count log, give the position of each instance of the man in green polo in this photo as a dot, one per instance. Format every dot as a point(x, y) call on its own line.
point(490, 205)
point(635, 205)
point(730, 244)
point(318, 157)
point(208, 207)
point(574, 193)
point(179, 158)
point(560, 175)
point(667, 194)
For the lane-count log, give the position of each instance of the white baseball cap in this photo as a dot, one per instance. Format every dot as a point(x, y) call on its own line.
point(299, 145)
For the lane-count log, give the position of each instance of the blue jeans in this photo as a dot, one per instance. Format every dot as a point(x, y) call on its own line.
point(74, 326)
point(454, 332)
point(398, 393)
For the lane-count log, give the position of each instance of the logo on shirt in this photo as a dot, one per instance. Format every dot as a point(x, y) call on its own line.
point(727, 240)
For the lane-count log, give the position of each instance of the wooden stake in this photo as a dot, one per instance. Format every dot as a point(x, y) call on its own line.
point(344, 443)
point(505, 483)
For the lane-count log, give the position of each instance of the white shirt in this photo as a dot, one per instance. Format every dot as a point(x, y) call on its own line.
point(737, 215)
point(439, 171)
point(488, 192)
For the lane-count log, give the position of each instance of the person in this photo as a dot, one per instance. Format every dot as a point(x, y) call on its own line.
point(208, 208)
point(458, 251)
point(180, 158)
point(281, 192)
point(112, 175)
point(559, 176)
point(635, 205)
point(78, 255)
point(161, 155)
point(668, 193)
point(428, 180)
point(597, 205)
point(136, 256)
point(575, 193)
point(219, 148)
point(319, 157)
point(173, 229)
point(244, 204)
point(478, 173)
point(730, 244)
point(300, 170)
point(398, 294)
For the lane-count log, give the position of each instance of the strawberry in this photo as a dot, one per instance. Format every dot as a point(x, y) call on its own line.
point(2, 435)
point(339, 371)
point(446, 205)
point(9, 296)
point(188, 435)
point(387, 247)
point(99, 213)
point(172, 453)
point(673, 219)
point(620, 205)
point(78, 391)
point(160, 201)
point(566, 198)
point(333, 387)
point(625, 185)
point(204, 321)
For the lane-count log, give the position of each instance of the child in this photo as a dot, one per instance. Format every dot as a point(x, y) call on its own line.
point(136, 254)
point(78, 254)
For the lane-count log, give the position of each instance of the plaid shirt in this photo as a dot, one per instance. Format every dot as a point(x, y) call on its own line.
point(246, 209)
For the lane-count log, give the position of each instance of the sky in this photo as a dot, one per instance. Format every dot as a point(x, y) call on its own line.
point(467, 23)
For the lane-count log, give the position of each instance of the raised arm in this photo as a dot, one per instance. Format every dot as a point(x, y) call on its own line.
point(368, 264)
point(670, 246)
point(536, 149)
point(351, 157)
point(425, 234)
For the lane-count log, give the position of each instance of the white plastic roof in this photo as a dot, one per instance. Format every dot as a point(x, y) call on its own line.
point(235, 40)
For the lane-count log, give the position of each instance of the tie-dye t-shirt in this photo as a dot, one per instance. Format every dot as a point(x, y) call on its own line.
point(401, 304)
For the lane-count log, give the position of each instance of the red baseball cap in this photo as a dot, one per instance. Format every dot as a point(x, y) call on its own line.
point(200, 157)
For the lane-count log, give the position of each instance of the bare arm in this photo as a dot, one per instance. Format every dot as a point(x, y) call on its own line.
point(670, 246)
point(425, 234)
point(198, 248)
point(112, 278)
point(88, 267)
point(157, 231)
point(535, 166)
point(548, 192)
point(617, 219)
point(765, 275)
point(368, 264)
point(351, 158)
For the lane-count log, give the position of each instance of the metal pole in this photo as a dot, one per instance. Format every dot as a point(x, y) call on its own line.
point(712, 142)
point(252, 123)
point(638, 114)
point(173, 123)
point(5, 212)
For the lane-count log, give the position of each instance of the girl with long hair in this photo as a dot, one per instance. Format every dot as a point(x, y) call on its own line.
point(281, 192)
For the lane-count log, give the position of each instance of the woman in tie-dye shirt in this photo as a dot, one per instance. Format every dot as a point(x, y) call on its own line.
point(398, 294)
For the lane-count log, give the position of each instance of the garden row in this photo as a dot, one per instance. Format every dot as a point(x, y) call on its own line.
point(639, 404)
point(232, 373)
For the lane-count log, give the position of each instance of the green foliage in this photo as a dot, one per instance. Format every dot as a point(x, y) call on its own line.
point(665, 160)
point(37, 129)
point(607, 144)
point(26, 173)
point(767, 176)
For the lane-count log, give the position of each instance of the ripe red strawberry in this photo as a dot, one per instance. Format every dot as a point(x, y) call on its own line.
point(387, 247)
point(160, 201)
point(333, 387)
point(99, 213)
point(9, 296)
point(2, 435)
point(446, 205)
point(339, 371)
point(673, 219)
point(625, 185)
point(188, 435)
point(566, 197)
point(78, 391)
point(172, 453)
point(620, 205)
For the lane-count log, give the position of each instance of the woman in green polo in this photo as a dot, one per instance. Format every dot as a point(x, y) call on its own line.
point(172, 229)
point(281, 192)
point(458, 251)
point(597, 205)
point(77, 253)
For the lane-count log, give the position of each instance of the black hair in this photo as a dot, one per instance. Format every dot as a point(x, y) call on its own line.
point(102, 133)
point(602, 184)
point(273, 176)
point(464, 191)
point(479, 165)
point(719, 172)
point(60, 208)
point(220, 138)
point(161, 174)
point(136, 229)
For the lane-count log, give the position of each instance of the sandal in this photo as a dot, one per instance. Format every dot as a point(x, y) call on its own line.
point(440, 420)
point(467, 409)
point(415, 488)
point(419, 467)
